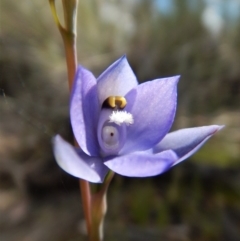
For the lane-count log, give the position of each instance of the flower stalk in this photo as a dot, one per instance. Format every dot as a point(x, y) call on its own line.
point(99, 209)
point(68, 32)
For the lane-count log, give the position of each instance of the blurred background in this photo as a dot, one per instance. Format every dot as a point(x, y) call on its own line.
point(197, 200)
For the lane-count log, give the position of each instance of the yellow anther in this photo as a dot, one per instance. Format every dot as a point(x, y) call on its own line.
point(116, 101)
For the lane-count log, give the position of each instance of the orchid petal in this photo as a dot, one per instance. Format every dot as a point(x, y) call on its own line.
point(84, 111)
point(142, 164)
point(116, 80)
point(77, 163)
point(153, 106)
point(186, 142)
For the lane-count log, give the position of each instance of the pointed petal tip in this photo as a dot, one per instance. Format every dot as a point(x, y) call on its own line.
point(220, 127)
point(78, 71)
point(56, 138)
point(175, 78)
point(170, 81)
point(123, 58)
point(178, 77)
point(217, 128)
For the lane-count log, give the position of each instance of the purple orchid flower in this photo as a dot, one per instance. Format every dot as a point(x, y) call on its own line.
point(122, 126)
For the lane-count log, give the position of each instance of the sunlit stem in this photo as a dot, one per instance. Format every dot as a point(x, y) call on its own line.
point(68, 32)
point(99, 209)
point(86, 202)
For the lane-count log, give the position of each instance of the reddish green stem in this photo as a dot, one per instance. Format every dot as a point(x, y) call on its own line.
point(69, 38)
point(71, 57)
point(86, 201)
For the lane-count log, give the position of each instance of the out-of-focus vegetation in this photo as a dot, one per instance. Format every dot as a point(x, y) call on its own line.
point(198, 200)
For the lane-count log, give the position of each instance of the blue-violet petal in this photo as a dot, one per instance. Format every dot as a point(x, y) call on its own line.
point(84, 111)
point(77, 163)
point(186, 142)
point(141, 164)
point(116, 80)
point(153, 106)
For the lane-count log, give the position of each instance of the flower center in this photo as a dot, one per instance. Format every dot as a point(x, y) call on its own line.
point(112, 125)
